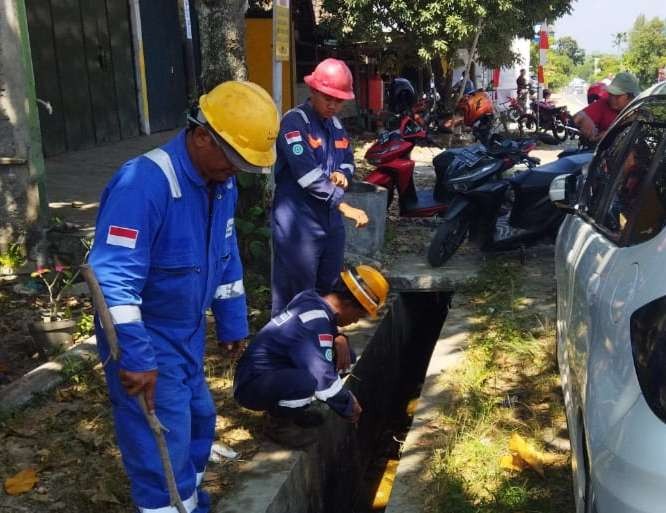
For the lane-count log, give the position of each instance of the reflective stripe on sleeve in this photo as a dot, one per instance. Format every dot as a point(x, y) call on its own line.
point(230, 290)
point(125, 314)
point(329, 392)
point(312, 315)
point(303, 115)
point(310, 177)
point(295, 403)
point(350, 167)
point(200, 477)
point(163, 160)
point(190, 505)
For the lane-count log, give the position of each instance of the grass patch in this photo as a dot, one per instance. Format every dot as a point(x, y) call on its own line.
point(507, 384)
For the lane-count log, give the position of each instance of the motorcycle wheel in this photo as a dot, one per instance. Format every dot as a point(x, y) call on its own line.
point(514, 115)
point(528, 121)
point(447, 239)
point(560, 132)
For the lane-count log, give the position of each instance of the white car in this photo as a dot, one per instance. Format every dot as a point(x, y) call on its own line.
point(610, 267)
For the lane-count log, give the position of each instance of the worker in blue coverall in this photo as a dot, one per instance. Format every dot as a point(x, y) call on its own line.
point(314, 166)
point(295, 359)
point(165, 252)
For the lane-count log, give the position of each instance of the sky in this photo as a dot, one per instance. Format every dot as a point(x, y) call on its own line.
point(592, 22)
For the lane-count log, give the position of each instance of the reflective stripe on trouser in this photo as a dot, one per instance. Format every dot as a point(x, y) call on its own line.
point(185, 407)
point(307, 263)
point(278, 392)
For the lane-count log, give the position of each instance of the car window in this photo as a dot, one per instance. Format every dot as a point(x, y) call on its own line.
point(603, 171)
point(636, 210)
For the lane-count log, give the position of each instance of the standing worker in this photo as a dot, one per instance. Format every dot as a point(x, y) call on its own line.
point(315, 164)
point(295, 359)
point(165, 251)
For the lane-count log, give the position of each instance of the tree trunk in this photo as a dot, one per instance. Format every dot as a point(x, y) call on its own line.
point(222, 34)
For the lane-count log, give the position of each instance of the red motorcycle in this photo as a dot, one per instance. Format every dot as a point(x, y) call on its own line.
point(395, 169)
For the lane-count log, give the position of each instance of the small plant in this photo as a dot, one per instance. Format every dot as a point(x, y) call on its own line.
point(85, 326)
point(13, 258)
point(57, 281)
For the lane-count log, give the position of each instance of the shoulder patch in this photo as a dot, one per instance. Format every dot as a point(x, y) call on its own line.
point(342, 144)
point(121, 236)
point(311, 315)
point(282, 318)
point(314, 143)
point(325, 339)
point(297, 149)
point(293, 137)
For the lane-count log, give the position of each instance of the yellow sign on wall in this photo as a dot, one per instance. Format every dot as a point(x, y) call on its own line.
point(281, 29)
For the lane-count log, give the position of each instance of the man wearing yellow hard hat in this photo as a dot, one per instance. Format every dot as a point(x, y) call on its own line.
point(297, 357)
point(165, 251)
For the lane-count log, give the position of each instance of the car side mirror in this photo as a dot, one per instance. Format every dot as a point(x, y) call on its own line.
point(563, 192)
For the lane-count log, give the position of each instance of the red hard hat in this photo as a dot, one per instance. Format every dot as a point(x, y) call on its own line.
point(332, 77)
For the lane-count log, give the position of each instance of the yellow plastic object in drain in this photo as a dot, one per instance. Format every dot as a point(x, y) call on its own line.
point(386, 485)
point(411, 406)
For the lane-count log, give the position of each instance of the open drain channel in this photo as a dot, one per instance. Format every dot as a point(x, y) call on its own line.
point(351, 469)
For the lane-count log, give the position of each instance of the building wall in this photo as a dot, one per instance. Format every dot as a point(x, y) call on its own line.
point(21, 161)
point(258, 55)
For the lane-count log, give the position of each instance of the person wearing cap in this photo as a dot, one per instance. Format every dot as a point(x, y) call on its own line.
point(315, 164)
point(597, 117)
point(297, 357)
point(165, 252)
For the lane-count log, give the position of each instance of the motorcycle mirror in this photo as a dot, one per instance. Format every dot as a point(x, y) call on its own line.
point(562, 192)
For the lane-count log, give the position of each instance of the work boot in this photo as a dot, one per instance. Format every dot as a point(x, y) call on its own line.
point(284, 431)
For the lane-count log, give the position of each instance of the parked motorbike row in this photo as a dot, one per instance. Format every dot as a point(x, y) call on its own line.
point(540, 117)
point(471, 195)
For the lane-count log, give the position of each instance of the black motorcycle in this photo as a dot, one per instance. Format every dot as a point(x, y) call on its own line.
point(499, 213)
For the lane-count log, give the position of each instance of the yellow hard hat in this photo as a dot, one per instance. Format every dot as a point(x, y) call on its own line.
point(245, 117)
point(368, 285)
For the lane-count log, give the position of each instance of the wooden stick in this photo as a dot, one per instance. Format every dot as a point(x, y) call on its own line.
point(155, 425)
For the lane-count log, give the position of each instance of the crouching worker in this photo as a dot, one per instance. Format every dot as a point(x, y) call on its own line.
point(296, 358)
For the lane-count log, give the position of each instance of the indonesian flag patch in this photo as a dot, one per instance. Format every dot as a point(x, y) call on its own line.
point(119, 236)
point(326, 340)
point(293, 137)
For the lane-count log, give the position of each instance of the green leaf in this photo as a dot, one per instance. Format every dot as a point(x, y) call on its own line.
point(258, 249)
point(255, 211)
point(245, 180)
point(244, 227)
point(264, 232)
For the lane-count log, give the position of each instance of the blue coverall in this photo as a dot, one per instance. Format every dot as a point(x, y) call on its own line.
point(308, 231)
point(165, 251)
point(290, 362)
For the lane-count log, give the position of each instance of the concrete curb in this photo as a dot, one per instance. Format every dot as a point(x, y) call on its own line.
point(449, 352)
point(46, 377)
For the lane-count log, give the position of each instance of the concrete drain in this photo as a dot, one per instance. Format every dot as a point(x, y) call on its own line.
point(351, 470)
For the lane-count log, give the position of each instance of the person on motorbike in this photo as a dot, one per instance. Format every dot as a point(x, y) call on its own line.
point(546, 103)
point(595, 119)
point(402, 95)
point(596, 91)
